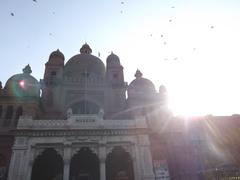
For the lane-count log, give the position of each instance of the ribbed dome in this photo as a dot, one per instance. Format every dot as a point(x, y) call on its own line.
point(23, 85)
point(84, 63)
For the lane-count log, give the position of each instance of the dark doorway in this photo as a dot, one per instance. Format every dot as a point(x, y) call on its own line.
point(19, 112)
point(84, 165)
point(48, 166)
point(119, 165)
point(3, 167)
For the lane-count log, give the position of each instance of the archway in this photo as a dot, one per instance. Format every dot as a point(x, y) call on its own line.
point(48, 166)
point(119, 165)
point(84, 165)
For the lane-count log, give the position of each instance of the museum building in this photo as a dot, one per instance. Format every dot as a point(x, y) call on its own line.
point(82, 121)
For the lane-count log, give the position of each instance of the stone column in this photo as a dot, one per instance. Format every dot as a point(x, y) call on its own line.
point(66, 160)
point(66, 169)
point(102, 159)
point(136, 162)
point(16, 169)
point(146, 158)
point(29, 169)
point(18, 159)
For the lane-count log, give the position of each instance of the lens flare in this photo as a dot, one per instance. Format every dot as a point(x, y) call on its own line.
point(22, 83)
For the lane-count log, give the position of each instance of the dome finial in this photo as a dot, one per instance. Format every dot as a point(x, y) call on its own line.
point(27, 69)
point(57, 53)
point(85, 49)
point(138, 74)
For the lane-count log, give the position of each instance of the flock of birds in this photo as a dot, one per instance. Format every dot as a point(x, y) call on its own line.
point(151, 35)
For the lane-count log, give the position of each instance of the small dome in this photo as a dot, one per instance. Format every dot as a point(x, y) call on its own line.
point(84, 63)
point(141, 85)
point(162, 89)
point(113, 60)
point(86, 49)
point(56, 57)
point(23, 84)
point(57, 53)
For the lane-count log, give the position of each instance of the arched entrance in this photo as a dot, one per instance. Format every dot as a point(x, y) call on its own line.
point(119, 165)
point(84, 165)
point(48, 166)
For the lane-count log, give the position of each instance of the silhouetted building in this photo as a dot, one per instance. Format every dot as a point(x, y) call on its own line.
point(82, 121)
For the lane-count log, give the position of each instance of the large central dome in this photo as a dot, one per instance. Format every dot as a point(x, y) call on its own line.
point(84, 64)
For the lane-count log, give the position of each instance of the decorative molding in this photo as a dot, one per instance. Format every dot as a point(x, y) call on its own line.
point(81, 132)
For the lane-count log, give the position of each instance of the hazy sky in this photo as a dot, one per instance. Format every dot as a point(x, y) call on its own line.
point(190, 46)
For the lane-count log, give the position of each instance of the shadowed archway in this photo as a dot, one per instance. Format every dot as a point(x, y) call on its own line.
point(48, 166)
point(119, 165)
point(84, 165)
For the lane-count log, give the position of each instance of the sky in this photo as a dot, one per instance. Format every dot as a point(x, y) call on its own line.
point(190, 46)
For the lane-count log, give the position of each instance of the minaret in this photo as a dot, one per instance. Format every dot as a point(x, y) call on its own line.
point(114, 74)
point(116, 86)
point(53, 77)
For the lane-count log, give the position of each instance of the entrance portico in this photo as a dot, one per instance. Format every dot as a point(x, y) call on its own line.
point(81, 150)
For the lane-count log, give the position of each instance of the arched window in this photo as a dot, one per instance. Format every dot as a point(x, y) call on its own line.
point(85, 107)
point(19, 112)
point(8, 116)
point(1, 111)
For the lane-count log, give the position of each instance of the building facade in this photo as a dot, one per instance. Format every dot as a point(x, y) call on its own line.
point(82, 121)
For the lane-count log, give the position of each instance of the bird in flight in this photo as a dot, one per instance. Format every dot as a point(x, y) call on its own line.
point(34, 0)
point(12, 14)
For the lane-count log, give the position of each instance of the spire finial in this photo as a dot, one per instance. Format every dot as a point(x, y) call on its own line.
point(27, 69)
point(138, 74)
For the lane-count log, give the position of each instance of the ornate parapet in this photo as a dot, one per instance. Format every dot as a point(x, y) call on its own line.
point(76, 122)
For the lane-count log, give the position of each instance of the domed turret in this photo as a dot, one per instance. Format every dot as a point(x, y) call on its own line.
point(85, 49)
point(84, 64)
point(57, 53)
point(113, 60)
point(163, 95)
point(23, 84)
point(140, 86)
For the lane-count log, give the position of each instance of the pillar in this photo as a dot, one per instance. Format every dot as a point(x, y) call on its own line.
point(16, 169)
point(102, 159)
point(66, 169)
point(145, 158)
point(66, 160)
point(102, 169)
point(29, 169)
